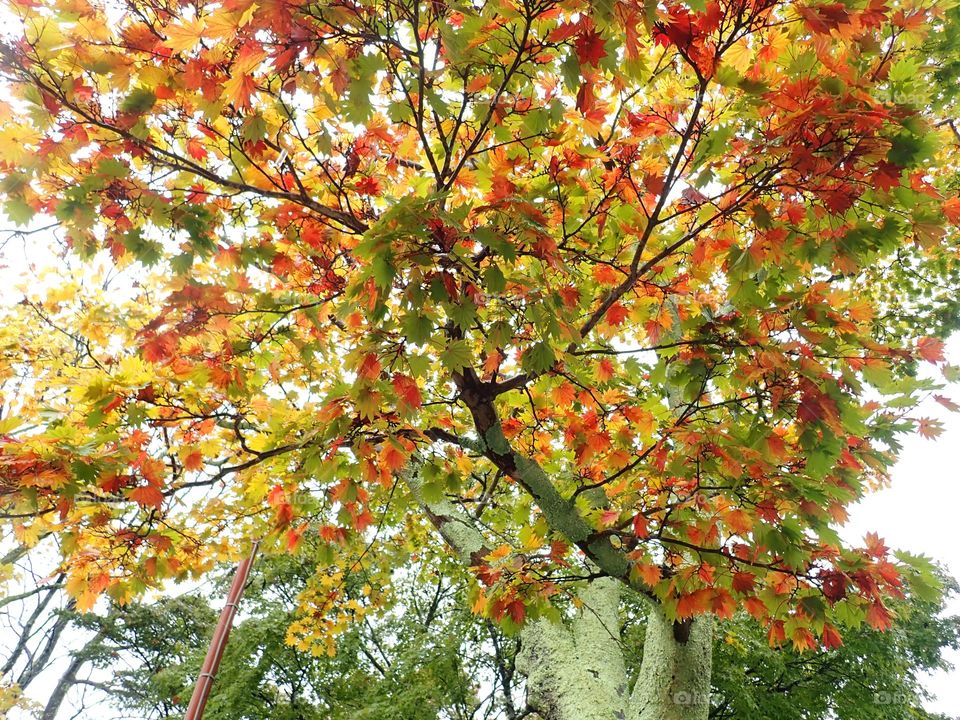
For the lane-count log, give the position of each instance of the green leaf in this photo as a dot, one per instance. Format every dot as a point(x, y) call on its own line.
point(417, 328)
point(539, 358)
point(18, 211)
point(139, 101)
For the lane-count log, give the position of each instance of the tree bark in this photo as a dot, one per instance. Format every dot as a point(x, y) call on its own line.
point(576, 671)
point(674, 678)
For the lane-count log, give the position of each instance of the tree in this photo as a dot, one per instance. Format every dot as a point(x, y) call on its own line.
point(597, 294)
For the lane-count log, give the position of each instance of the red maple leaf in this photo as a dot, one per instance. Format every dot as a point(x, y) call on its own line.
point(368, 186)
point(886, 176)
point(617, 314)
point(589, 46)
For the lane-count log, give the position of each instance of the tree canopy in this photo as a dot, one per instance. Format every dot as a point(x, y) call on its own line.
point(592, 289)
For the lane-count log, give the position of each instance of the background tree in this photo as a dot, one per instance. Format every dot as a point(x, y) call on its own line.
point(439, 660)
point(597, 294)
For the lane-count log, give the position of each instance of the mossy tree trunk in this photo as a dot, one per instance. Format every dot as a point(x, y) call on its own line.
point(575, 670)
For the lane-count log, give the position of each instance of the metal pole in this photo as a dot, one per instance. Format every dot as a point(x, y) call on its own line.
point(198, 701)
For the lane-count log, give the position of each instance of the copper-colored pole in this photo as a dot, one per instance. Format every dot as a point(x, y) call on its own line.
point(198, 701)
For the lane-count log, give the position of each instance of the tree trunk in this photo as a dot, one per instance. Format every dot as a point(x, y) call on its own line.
point(576, 671)
point(674, 678)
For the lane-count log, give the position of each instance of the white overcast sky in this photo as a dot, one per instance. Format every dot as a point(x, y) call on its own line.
point(919, 513)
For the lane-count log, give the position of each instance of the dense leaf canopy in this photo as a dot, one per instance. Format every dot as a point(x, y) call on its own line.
point(613, 278)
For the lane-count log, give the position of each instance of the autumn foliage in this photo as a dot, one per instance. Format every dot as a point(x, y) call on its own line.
point(609, 276)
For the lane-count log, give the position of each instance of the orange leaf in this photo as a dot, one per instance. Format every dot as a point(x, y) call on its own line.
point(478, 83)
point(755, 607)
point(605, 370)
point(193, 461)
point(147, 496)
point(564, 394)
point(831, 638)
point(723, 604)
point(930, 349)
point(605, 275)
point(393, 457)
point(284, 513)
point(695, 603)
point(617, 314)
point(803, 640)
point(929, 428)
point(407, 391)
point(650, 574)
point(743, 582)
point(276, 496)
point(776, 633)
point(879, 617)
point(196, 150)
point(294, 536)
point(951, 208)
point(370, 367)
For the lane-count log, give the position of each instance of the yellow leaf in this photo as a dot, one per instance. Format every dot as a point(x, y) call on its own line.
point(739, 56)
point(181, 38)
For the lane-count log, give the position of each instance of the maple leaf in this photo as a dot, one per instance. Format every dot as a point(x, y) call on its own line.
point(722, 604)
point(606, 275)
point(947, 402)
point(743, 582)
point(929, 428)
point(875, 545)
point(886, 176)
point(408, 393)
point(196, 149)
point(368, 186)
point(517, 611)
point(756, 607)
point(878, 616)
point(369, 367)
point(650, 574)
point(147, 496)
point(159, 348)
point(695, 603)
point(803, 639)
point(776, 633)
point(617, 314)
point(284, 514)
point(831, 637)
point(564, 394)
point(394, 459)
point(294, 537)
point(238, 89)
point(951, 209)
point(590, 47)
point(185, 35)
point(930, 349)
point(193, 461)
